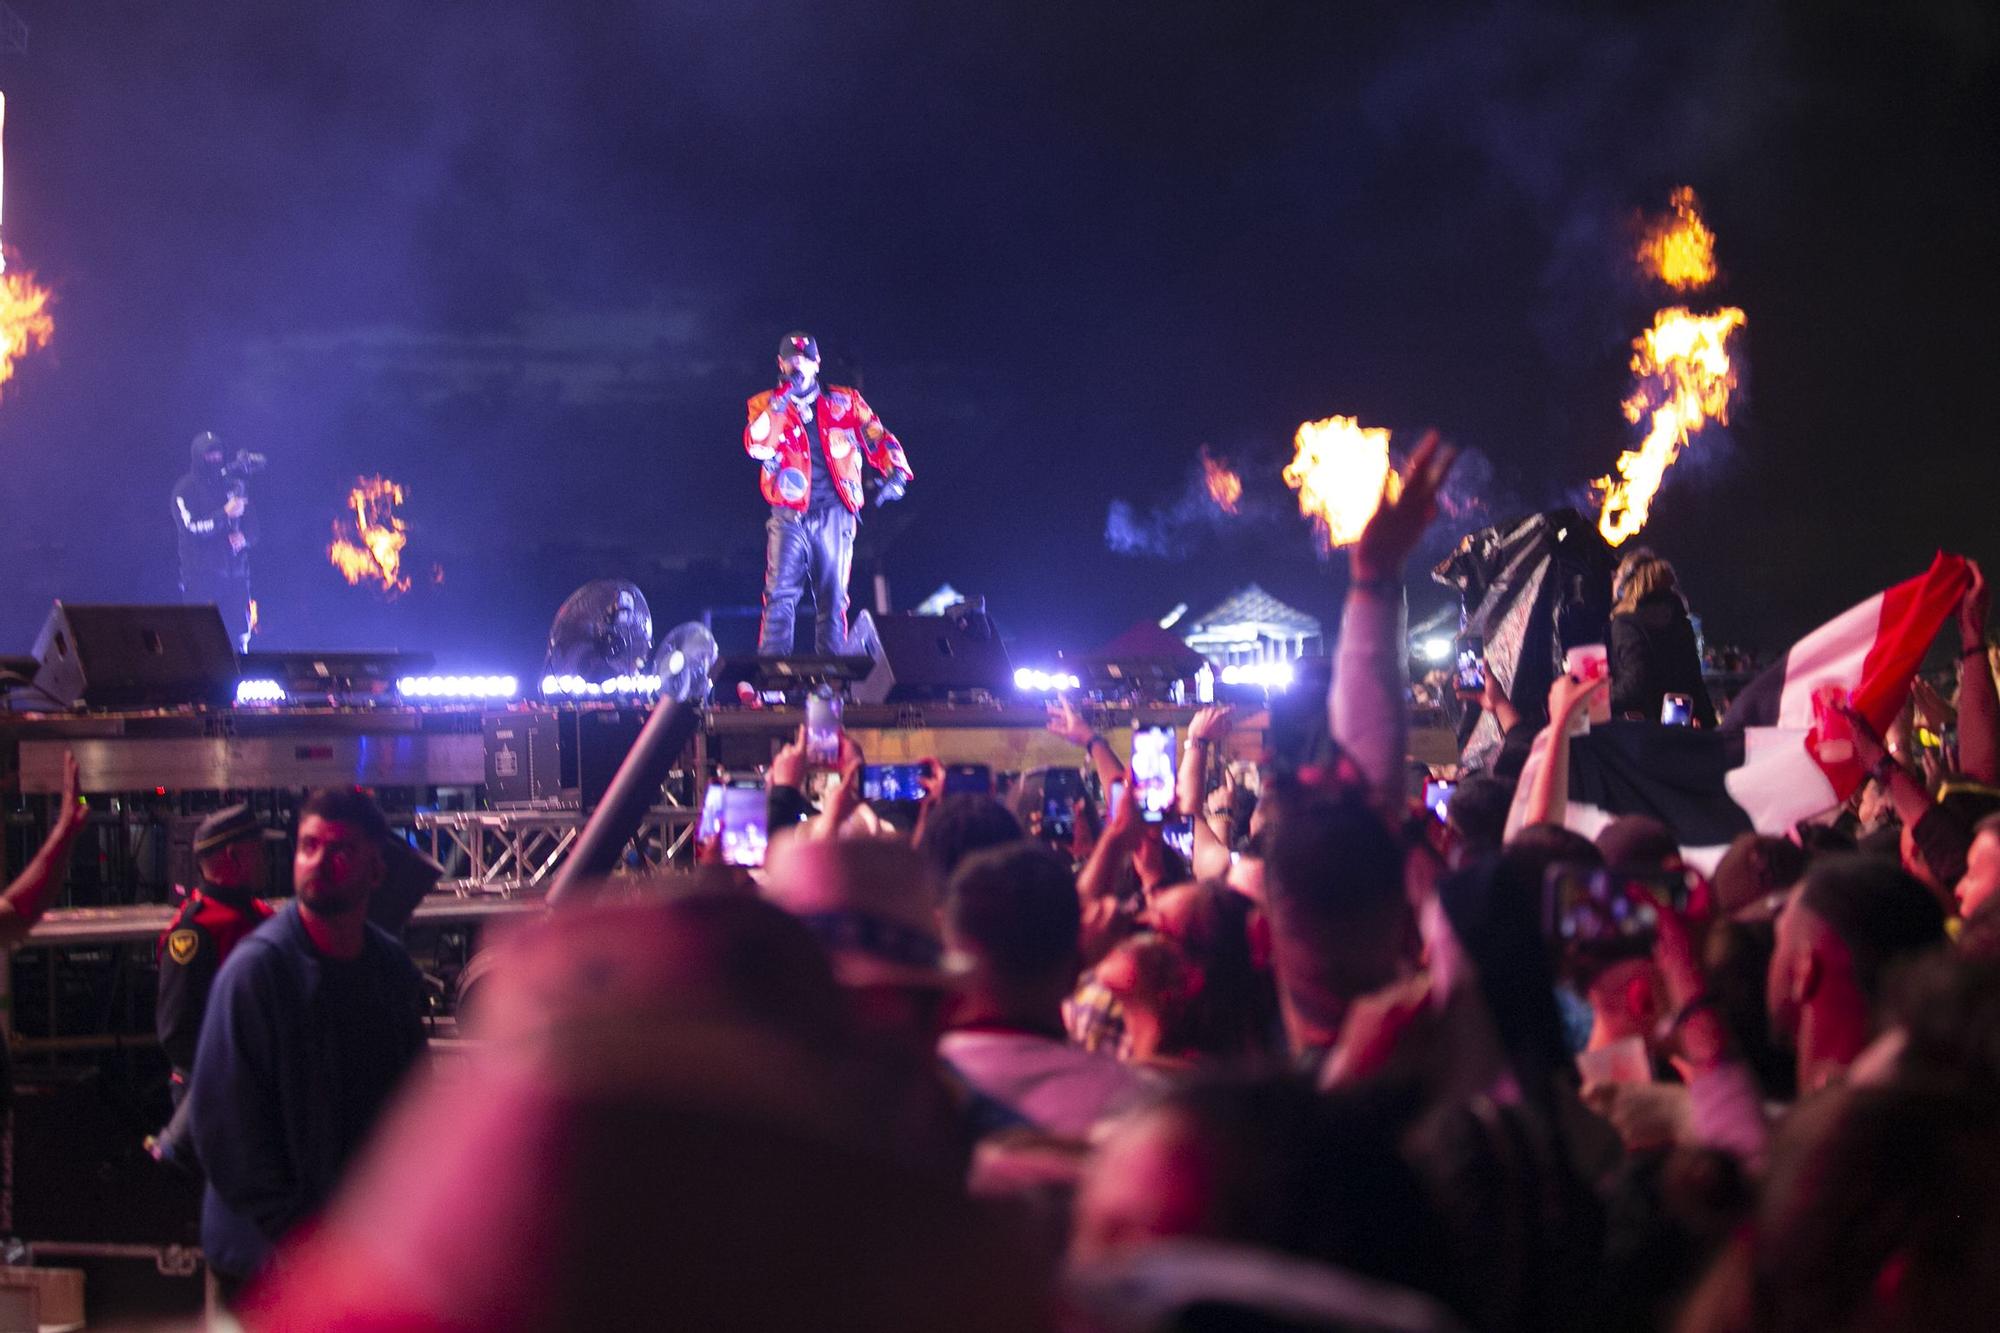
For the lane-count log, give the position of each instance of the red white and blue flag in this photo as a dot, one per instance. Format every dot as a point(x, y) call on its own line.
point(1784, 753)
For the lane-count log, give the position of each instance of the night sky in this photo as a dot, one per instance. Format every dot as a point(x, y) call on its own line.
point(529, 259)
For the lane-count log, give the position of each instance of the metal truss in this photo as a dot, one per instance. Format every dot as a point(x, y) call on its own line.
point(510, 852)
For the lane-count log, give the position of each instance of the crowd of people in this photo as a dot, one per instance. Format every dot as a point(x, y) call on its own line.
point(1341, 1063)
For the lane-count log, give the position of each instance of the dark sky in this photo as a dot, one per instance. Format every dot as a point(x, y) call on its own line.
point(529, 259)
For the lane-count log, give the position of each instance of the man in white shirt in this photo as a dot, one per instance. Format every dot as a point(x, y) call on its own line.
point(1011, 914)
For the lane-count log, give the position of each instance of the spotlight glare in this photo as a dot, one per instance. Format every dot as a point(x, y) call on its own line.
point(259, 692)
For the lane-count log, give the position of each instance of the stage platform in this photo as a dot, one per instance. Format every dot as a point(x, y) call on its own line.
point(400, 747)
point(261, 749)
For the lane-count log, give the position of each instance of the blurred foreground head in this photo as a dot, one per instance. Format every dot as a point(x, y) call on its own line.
point(1333, 884)
point(665, 1128)
point(873, 904)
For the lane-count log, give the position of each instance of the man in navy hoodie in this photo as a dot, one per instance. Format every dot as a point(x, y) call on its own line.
point(313, 1022)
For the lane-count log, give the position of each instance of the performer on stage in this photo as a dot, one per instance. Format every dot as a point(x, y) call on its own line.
point(217, 528)
point(812, 480)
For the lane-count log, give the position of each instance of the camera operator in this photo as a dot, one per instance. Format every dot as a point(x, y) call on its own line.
point(217, 527)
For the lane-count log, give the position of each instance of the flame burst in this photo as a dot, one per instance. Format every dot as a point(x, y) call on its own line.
point(1224, 486)
point(368, 542)
point(24, 307)
point(253, 616)
point(1685, 378)
point(25, 323)
point(1341, 471)
point(1680, 250)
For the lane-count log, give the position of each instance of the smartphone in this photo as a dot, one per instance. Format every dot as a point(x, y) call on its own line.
point(1179, 835)
point(975, 778)
point(710, 828)
point(1677, 710)
point(892, 782)
point(1472, 665)
point(1437, 796)
point(745, 829)
point(822, 730)
point(1586, 906)
point(1062, 788)
point(1153, 771)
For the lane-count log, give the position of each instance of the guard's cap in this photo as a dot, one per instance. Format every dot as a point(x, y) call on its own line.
point(232, 823)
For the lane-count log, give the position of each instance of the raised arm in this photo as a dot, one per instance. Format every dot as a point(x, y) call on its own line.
point(1366, 705)
point(1978, 705)
point(1548, 796)
point(1096, 881)
point(1065, 721)
point(24, 901)
point(1211, 848)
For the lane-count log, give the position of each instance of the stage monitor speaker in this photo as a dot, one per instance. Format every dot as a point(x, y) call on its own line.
point(931, 657)
point(134, 657)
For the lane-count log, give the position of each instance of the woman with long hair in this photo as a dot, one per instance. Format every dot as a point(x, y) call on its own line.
point(1654, 652)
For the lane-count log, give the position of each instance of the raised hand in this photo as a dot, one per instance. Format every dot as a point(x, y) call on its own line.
point(74, 808)
point(1212, 723)
point(1067, 722)
point(788, 765)
point(1569, 696)
point(1398, 524)
point(1972, 610)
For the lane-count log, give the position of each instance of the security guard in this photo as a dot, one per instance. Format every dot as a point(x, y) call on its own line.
point(229, 850)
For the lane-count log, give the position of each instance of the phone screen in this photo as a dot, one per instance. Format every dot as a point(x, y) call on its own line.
point(710, 827)
point(892, 782)
point(1179, 835)
point(1592, 906)
point(1062, 788)
point(1437, 796)
point(1677, 710)
point(822, 730)
point(744, 827)
point(1471, 666)
point(1153, 771)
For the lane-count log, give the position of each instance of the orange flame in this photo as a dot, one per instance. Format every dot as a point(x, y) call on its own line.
point(368, 545)
point(1341, 471)
point(1680, 250)
point(25, 323)
point(1684, 381)
point(1224, 486)
point(253, 615)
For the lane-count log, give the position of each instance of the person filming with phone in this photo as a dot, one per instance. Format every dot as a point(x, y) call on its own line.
point(1655, 658)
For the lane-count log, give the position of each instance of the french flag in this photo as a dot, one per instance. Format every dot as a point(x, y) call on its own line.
point(1784, 753)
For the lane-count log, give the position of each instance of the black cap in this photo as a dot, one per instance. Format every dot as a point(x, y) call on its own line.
point(798, 343)
point(205, 443)
point(232, 823)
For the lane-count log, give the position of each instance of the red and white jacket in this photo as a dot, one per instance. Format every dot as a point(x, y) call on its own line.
point(848, 430)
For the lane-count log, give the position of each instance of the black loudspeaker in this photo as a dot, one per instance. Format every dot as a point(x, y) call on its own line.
point(931, 657)
point(603, 737)
point(134, 657)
